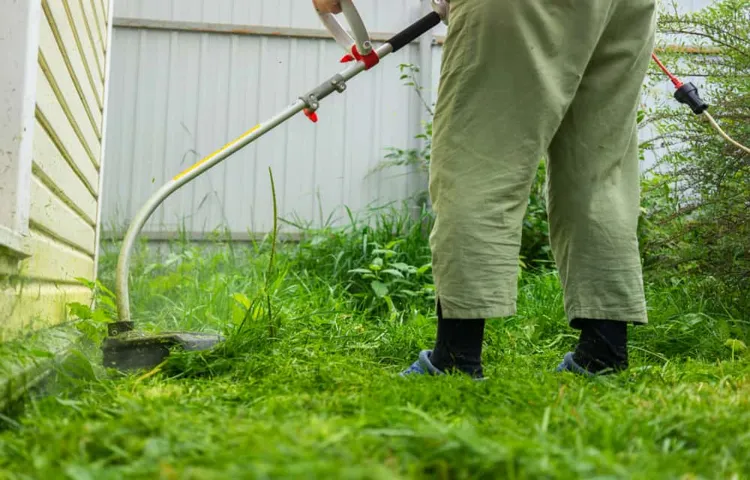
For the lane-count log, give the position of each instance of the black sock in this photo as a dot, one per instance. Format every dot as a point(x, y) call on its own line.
point(459, 345)
point(602, 345)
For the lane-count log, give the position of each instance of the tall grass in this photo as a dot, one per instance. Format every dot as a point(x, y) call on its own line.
point(377, 269)
point(319, 395)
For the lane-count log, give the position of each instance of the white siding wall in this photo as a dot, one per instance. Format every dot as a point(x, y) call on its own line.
point(178, 95)
point(66, 165)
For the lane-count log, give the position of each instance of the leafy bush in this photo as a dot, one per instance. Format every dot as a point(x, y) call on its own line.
point(697, 202)
point(383, 259)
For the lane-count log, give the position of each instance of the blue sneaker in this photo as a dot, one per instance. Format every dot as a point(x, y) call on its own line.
point(568, 364)
point(422, 366)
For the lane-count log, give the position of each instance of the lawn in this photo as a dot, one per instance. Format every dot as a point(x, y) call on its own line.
point(311, 389)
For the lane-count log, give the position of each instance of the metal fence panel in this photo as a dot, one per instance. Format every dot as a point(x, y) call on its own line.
point(177, 96)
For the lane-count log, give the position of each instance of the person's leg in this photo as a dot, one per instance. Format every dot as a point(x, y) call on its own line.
point(594, 189)
point(510, 69)
point(459, 344)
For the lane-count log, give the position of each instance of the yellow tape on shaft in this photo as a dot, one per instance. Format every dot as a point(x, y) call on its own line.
point(217, 152)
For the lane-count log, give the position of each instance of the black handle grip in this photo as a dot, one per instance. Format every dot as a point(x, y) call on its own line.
point(416, 30)
point(688, 94)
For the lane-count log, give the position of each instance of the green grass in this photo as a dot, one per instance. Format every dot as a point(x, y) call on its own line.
point(311, 390)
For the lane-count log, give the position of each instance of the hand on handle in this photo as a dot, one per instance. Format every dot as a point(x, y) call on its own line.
point(327, 6)
point(443, 8)
point(361, 41)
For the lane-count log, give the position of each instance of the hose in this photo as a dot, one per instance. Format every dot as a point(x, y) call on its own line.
point(724, 135)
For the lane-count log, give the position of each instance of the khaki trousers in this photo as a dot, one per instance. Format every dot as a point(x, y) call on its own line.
point(522, 81)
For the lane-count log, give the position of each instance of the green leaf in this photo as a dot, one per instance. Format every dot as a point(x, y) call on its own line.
point(380, 288)
point(376, 265)
point(393, 272)
point(360, 270)
point(79, 310)
point(393, 243)
point(641, 116)
point(402, 266)
point(242, 299)
point(41, 353)
point(424, 269)
point(736, 345)
point(100, 316)
point(84, 281)
point(238, 314)
point(106, 291)
point(108, 302)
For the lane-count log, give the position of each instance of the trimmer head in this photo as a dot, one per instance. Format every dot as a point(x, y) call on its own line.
point(126, 349)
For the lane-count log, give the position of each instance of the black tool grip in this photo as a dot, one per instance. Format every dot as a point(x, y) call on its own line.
point(688, 95)
point(416, 30)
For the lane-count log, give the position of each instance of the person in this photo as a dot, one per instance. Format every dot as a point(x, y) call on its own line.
point(520, 82)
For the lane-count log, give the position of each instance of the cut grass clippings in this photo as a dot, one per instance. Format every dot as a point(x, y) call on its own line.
point(319, 395)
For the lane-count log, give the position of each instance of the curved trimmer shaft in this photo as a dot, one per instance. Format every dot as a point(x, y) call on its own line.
point(307, 103)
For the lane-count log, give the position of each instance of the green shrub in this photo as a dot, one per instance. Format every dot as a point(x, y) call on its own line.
point(382, 259)
point(697, 203)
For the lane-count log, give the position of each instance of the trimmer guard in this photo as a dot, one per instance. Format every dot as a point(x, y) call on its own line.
point(136, 350)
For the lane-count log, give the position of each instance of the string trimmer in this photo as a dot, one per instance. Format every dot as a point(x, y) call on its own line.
point(126, 348)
